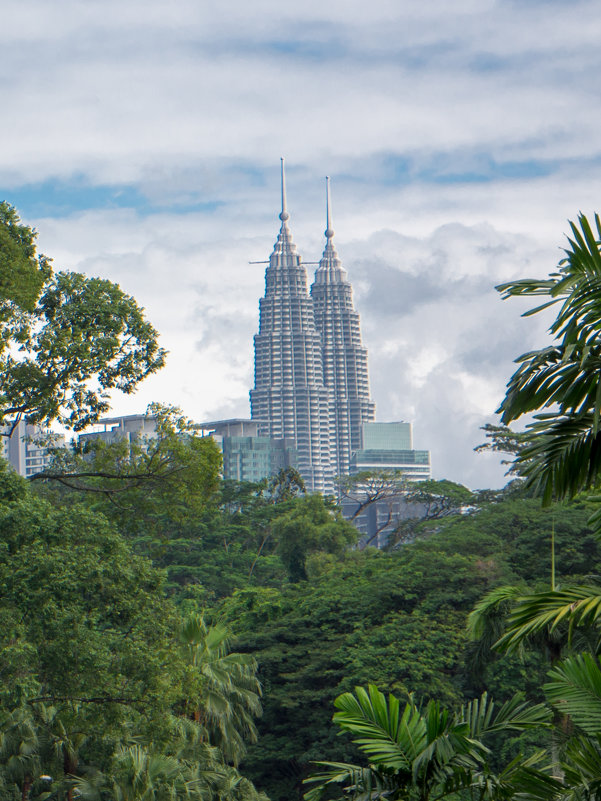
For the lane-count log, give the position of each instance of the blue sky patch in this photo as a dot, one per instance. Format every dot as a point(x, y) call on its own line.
point(60, 198)
point(451, 168)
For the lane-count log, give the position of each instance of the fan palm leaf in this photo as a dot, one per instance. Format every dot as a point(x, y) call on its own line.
point(225, 694)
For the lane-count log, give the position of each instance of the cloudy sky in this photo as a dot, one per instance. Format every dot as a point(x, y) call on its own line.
point(142, 140)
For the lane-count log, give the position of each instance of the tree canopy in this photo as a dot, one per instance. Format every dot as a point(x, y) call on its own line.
point(65, 340)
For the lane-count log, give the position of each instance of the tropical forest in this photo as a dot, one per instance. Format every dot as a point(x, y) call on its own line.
point(167, 634)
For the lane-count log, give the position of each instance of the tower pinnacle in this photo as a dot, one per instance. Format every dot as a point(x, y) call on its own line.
point(284, 214)
point(330, 266)
point(290, 400)
point(329, 232)
point(344, 357)
point(284, 247)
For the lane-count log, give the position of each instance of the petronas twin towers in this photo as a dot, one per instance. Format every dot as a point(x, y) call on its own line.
point(311, 378)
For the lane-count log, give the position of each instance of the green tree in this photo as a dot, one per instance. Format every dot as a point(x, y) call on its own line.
point(423, 501)
point(222, 692)
point(399, 616)
point(313, 524)
point(138, 773)
point(251, 535)
point(564, 456)
point(503, 439)
point(20, 750)
point(90, 615)
point(65, 340)
point(149, 485)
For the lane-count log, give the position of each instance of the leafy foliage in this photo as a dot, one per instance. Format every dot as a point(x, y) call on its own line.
point(422, 754)
point(91, 666)
point(575, 687)
point(221, 690)
point(148, 484)
point(563, 458)
point(65, 340)
point(398, 619)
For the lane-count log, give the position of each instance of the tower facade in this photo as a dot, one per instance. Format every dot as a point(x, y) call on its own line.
point(344, 357)
point(290, 399)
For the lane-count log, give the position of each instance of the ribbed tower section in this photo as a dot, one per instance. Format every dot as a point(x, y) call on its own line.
point(289, 398)
point(344, 357)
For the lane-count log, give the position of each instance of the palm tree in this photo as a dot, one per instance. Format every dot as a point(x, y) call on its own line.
point(20, 749)
point(561, 383)
point(63, 735)
point(510, 620)
point(140, 774)
point(565, 454)
point(418, 755)
point(223, 694)
point(574, 688)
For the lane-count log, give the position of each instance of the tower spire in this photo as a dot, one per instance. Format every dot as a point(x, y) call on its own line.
point(329, 230)
point(330, 267)
point(284, 214)
point(284, 246)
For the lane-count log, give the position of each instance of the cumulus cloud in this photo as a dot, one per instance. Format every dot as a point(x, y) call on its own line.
point(143, 142)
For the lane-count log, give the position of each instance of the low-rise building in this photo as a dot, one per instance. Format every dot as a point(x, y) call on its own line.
point(386, 448)
point(113, 429)
point(389, 447)
point(246, 455)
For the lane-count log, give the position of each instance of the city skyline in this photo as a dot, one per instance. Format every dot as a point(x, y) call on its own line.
point(143, 145)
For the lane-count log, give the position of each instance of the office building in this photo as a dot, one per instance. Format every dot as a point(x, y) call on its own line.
point(386, 448)
point(247, 456)
point(290, 400)
point(25, 448)
point(389, 447)
point(113, 429)
point(344, 357)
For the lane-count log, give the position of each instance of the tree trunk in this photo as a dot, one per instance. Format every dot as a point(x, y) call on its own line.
point(70, 763)
point(27, 782)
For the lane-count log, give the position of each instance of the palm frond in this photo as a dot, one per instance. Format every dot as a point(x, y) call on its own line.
point(516, 714)
point(575, 689)
point(564, 457)
point(388, 736)
point(522, 779)
point(534, 613)
point(582, 767)
point(358, 781)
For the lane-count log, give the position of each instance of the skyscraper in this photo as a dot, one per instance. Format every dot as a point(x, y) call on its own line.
point(290, 399)
point(344, 357)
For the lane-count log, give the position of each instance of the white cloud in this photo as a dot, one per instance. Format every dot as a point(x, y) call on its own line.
point(460, 136)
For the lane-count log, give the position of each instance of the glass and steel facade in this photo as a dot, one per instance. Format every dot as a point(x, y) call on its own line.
point(289, 399)
point(344, 356)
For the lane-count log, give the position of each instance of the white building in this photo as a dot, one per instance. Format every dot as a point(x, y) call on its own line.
point(113, 429)
point(23, 449)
